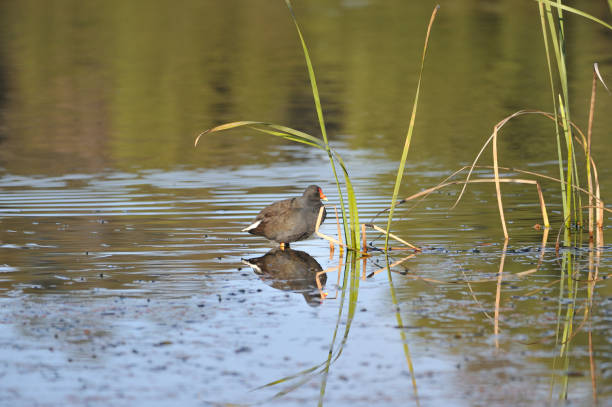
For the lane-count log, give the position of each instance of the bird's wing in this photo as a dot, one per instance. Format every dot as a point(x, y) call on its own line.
point(279, 208)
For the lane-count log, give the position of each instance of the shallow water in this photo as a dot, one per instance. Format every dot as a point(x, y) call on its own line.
point(122, 279)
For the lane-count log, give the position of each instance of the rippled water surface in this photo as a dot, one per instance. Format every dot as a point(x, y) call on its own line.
point(123, 269)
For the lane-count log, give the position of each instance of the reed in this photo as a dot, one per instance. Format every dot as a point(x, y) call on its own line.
point(350, 220)
point(553, 33)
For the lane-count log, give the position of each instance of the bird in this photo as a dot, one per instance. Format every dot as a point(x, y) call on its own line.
point(290, 220)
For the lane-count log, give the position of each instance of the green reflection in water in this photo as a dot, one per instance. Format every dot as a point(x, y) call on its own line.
point(127, 85)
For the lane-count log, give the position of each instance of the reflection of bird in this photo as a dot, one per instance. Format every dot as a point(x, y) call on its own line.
point(291, 219)
point(290, 270)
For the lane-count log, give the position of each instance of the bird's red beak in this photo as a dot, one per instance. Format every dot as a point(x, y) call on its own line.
point(322, 195)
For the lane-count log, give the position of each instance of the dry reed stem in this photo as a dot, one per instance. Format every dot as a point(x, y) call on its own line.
point(322, 235)
point(488, 180)
point(405, 199)
point(600, 204)
point(598, 207)
point(391, 235)
point(588, 152)
point(584, 142)
point(497, 185)
point(498, 294)
point(493, 136)
point(493, 139)
point(535, 174)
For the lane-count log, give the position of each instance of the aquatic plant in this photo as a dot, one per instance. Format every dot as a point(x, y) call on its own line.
point(553, 33)
point(351, 225)
point(569, 139)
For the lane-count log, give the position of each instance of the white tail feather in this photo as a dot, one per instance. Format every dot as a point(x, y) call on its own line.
point(252, 226)
point(252, 265)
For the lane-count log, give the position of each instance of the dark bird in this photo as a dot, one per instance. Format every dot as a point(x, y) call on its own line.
point(290, 220)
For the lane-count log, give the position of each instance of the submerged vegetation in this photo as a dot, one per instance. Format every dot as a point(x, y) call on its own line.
point(576, 199)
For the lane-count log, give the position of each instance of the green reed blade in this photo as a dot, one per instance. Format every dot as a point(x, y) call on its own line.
point(283, 131)
point(311, 75)
point(400, 170)
point(578, 12)
point(295, 132)
point(571, 204)
point(222, 127)
point(317, 100)
point(556, 30)
point(352, 200)
point(554, 100)
point(289, 137)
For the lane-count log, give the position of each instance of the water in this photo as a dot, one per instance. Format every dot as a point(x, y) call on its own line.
point(121, 273)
